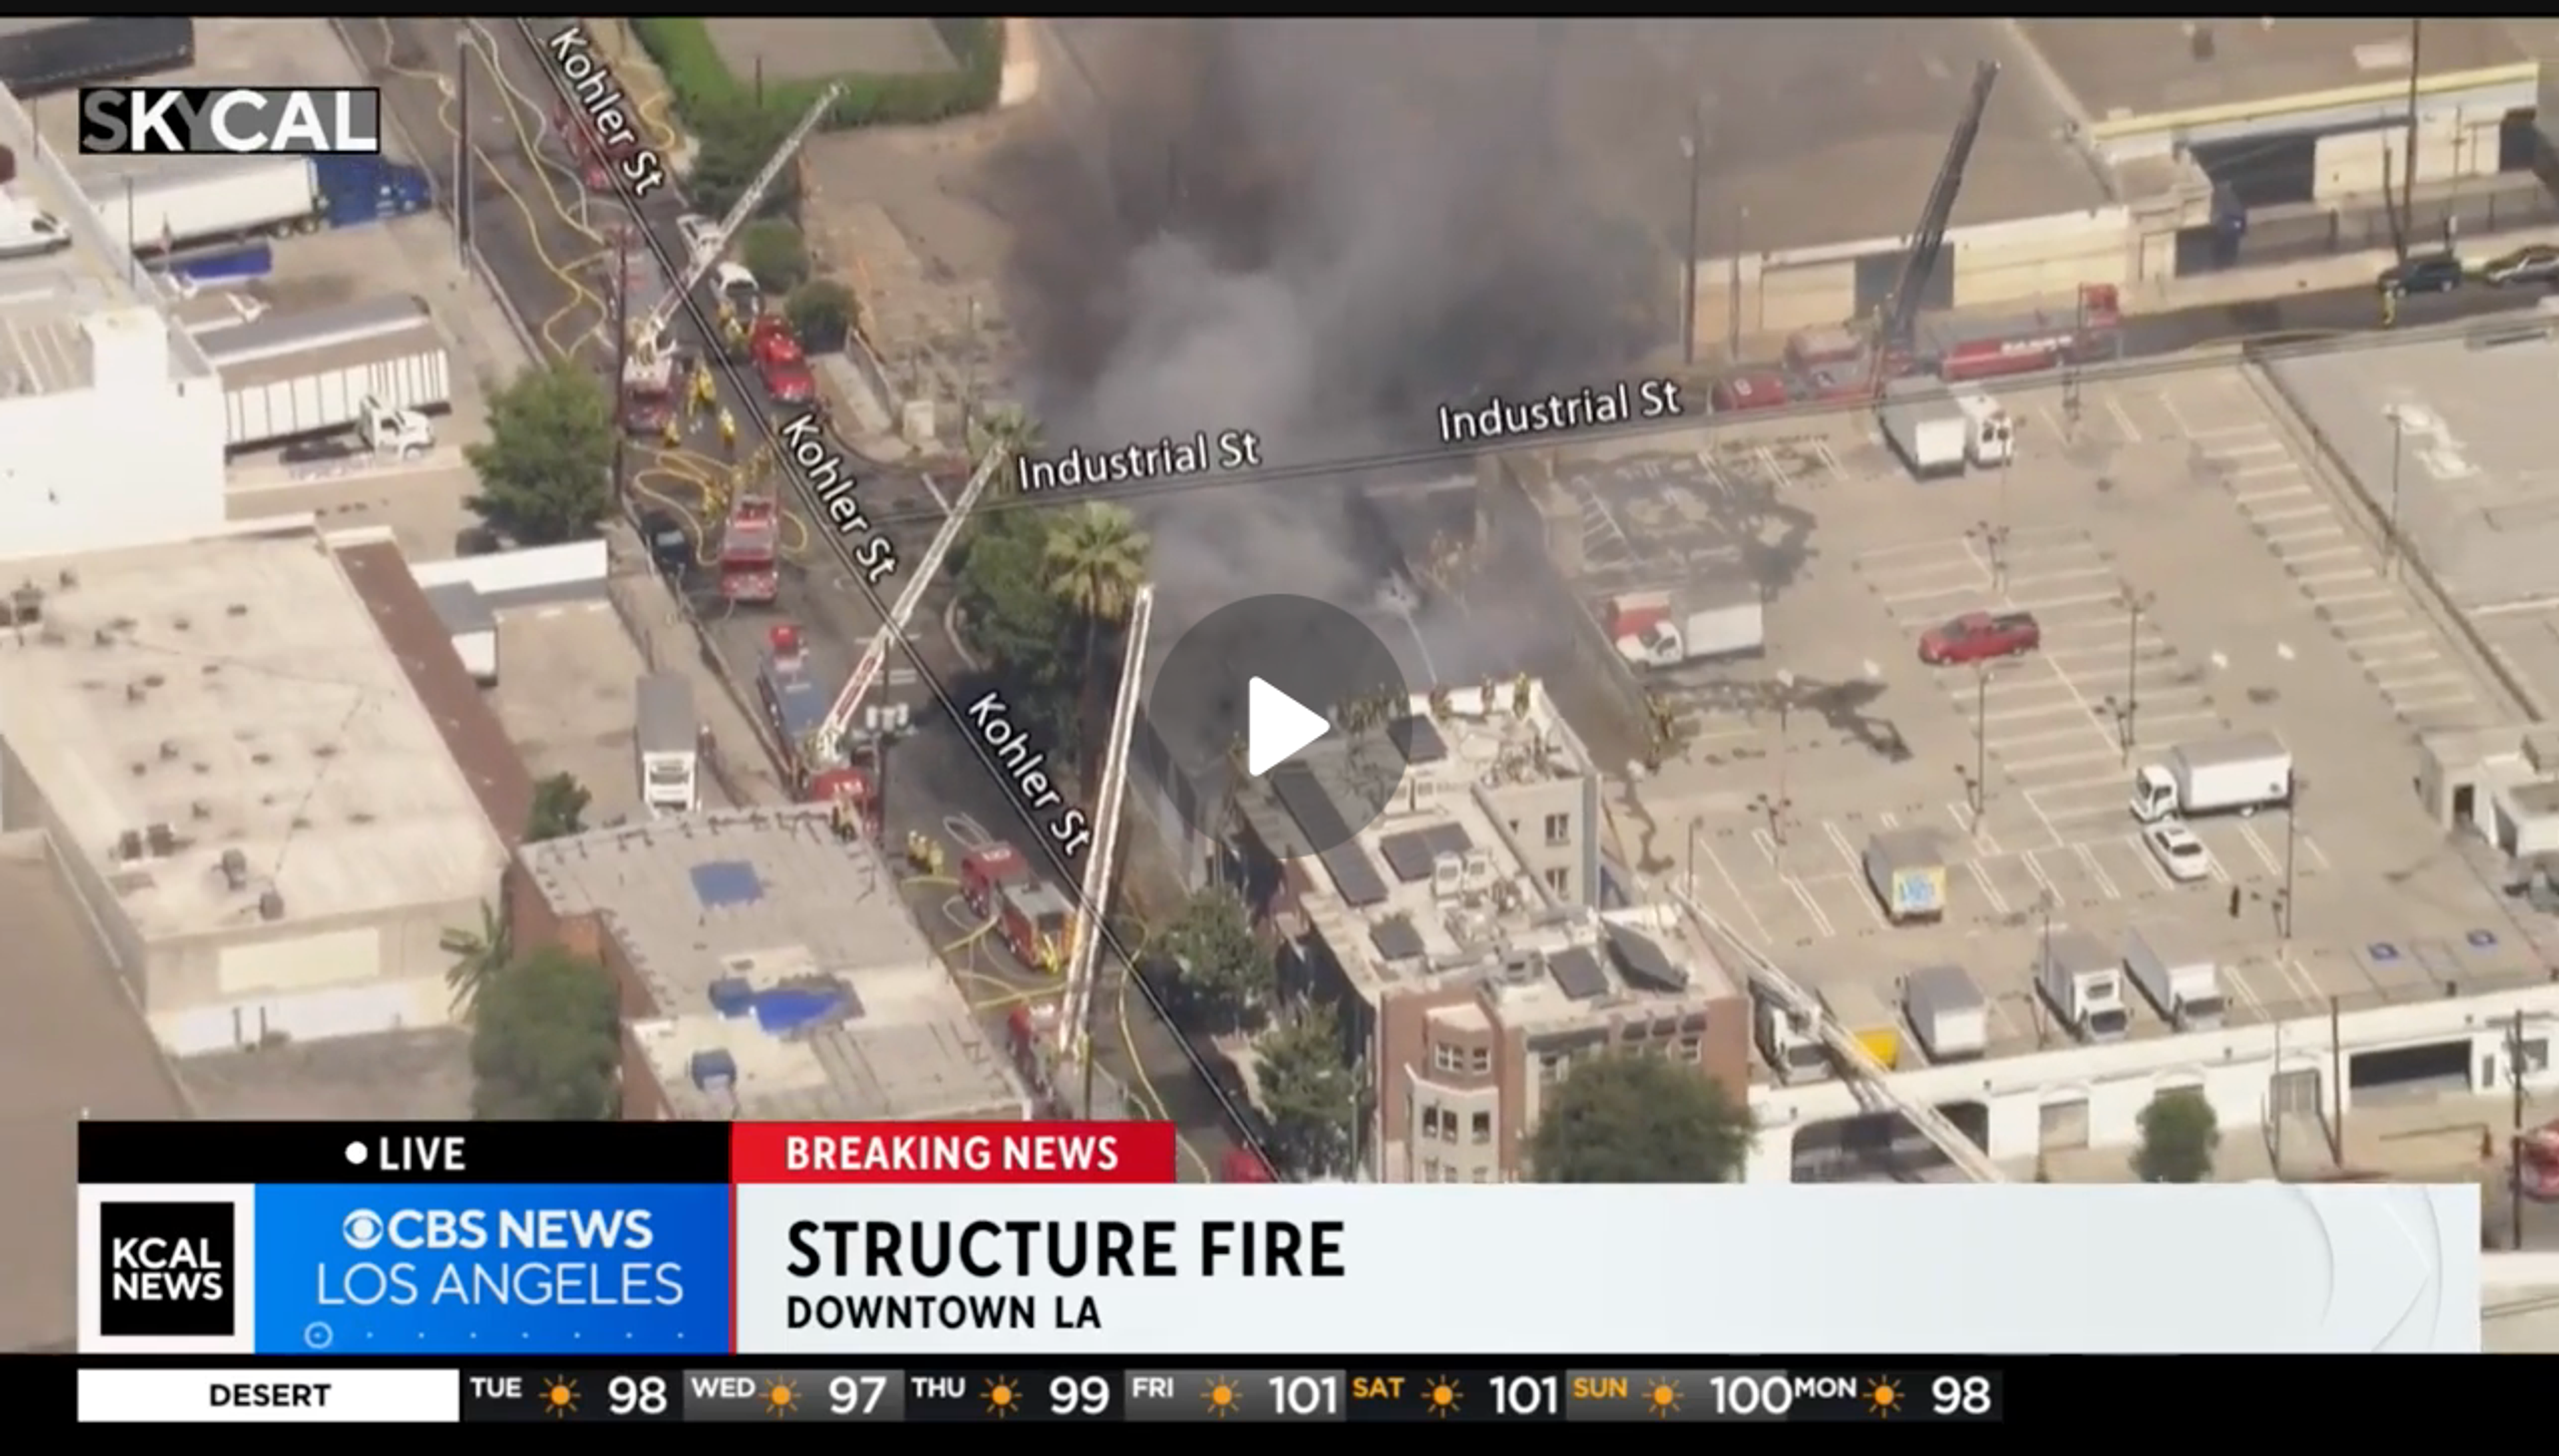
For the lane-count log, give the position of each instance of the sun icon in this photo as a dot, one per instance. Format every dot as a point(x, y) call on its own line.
point(1220, 1393)
point(780, 1398)
point(1884, 1395)
point(1664, 1399)
point(559, 1398)
point(1002, 1398)
point(1442, 1396)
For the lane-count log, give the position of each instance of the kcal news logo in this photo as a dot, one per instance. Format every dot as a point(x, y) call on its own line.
point(165, 1268)
point(157, 121)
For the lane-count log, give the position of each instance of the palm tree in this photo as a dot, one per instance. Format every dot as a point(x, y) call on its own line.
point(479, 957)
point(1096, 560)
point(1007, 427)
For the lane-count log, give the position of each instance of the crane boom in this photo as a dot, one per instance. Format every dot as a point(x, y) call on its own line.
point(1867, 1079)
point(827, 739)
point(1928, 240)
point(1083, 940)
point(648, 330)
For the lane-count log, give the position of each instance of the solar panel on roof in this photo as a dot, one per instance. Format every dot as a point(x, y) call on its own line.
point(1449, 838)
point(1395, 938)
point(1643, 961)
point(1418, 739)
point(1408, 854)
point(1576, 973)
point(1357, 880)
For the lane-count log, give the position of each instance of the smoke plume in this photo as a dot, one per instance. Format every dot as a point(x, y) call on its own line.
point(1322, 230)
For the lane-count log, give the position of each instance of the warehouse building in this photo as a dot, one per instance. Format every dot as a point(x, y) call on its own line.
point(1473, 946)
point(2116, 152)
point(257, 811)
point(770, 971)
point(87, 349)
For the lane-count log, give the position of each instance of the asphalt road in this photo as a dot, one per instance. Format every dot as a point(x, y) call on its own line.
point(551, 246)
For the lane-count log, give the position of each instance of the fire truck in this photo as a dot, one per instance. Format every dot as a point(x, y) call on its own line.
point(1241, 1165)
point(1030, 915)
point(2536, 1156)
point(750, 553)
point(649, 395)
point(780, 362)
point(795, 706)
point(1970, 347)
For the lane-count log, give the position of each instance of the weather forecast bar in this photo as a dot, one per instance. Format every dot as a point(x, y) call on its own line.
point(402, 1152)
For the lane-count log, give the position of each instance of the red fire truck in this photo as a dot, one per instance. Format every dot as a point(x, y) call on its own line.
point(1241, 1165)
point(1030, 916)
point(750, 552)
point(593, 159)
point(1970, 347)
point(2536, 1154)
point(795, 707)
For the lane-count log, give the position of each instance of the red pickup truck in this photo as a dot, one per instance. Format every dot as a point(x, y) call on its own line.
point(1977, 637)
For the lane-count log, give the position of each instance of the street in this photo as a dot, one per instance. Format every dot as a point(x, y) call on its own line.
point(549, 248)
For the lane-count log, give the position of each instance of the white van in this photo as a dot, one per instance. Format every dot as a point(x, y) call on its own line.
point(1992, 437)
point(25, 234)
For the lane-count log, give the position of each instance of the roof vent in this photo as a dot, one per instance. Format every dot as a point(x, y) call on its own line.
point(163, 839)
point(270, 906)
point(2198, 39)
point(235, 869)
point(129, 845)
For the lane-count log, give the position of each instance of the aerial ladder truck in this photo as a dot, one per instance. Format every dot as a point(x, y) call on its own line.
point(1894, 348)
point(1057, 1036)
point(822, 767)
point(1868, 1079)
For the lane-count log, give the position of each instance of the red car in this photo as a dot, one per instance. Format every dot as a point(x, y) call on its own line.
point(1978, 636)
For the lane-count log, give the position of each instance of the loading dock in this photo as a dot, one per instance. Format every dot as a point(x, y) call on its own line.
point(2426, 1069)
point(1882, 1147)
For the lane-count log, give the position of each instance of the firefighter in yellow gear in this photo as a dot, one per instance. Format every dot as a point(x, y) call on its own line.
point(1052, 956)
point(673, 433)
point(728, 433)
point(705, 388)
point(727, 317)
point(2389, 308)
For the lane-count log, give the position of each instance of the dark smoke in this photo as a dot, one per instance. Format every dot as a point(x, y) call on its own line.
point(1322, 230)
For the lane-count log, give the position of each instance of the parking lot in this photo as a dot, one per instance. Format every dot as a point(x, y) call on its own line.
point(2174, 606)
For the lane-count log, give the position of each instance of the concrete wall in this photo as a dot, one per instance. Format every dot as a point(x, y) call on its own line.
point(2451, 144)
point(82, 478)
point(2039, 259)
point(187, 976)
point(24, 808)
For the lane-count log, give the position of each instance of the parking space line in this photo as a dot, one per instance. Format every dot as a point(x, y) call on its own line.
point(1990, 892)
point(1967, 823)
point(2054, 761)
point(2011, 715)
point(2105, 885)
point(2123, 421)
point(2300, 979)
point(2247, 499)
point(2073, 573)
point(2150, 862)
point(2320, 554)
point(1839, 841)
point(2042, 881)
point(2425, 702)
point(1903, 599)
point(2002, 742)
point(2051, 604)
point(2374, 594)
point(2265, 856)
point(2108, 782)
point(1757, 927)
point(2278, 467)
point(1821, 921)
point(1905, 548)
point(2349, 573)
point(2400, 685)
point(2410, 660)
point(2153, 719)
point(2389, 637)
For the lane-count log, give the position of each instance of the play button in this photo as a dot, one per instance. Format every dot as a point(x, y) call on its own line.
point(1275, 726)
point(1280, 711)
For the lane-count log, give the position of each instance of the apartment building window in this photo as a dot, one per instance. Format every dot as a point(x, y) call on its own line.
point(1558, 828)
point(1691, 1048)
point(1550, 1067)
point(1483, 1175)
point(1554, 880)
point(1430, 1170)
point(1481, 1127)
point(1445, 1057)
point(1448, 1173)
point(1479, 1060)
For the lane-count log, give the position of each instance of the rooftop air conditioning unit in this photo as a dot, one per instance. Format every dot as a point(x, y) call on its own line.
point(1447, 877)
point(1476, 874)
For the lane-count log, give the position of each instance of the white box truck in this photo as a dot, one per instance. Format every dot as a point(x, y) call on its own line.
point(160, 205)
point(1699, 623)
point(1948, 1014)
point(2178, 971)
point(377, 367)
point(1930, 432)
point(670, 740)
point(2082, 980)
point(2241, 773)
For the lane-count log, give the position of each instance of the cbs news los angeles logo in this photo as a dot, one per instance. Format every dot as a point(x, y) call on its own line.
point(177, 122)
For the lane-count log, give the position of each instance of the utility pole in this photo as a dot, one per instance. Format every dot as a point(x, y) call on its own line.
point(1785, 709)
point(1732, 286)
point(2398, 454)
point(1981, 744)
point(2408, 153)
point(1693, 148)
point(2292, 838)
point(2135, 603)
point(2515, 1144)
point(462, 158)
point(622, 361)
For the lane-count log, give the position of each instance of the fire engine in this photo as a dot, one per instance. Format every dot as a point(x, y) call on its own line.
point(594, 163)
point(750, 552)
point(1030, 916)
point(1241, 1165)
point(796, 707)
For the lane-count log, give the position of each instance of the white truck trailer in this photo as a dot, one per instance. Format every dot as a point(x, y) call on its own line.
point(375, 366)
point(1929, 431)
point(2177, 969)
point(2240, 774)
point(670, 740)
point(156, 205)
point(1949, 1016)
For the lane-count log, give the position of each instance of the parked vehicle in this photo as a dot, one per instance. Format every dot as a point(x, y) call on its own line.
point(159, 205)
point(668, 735)
point(2181, 855)
point(2081, 979)
point(1907, 870)
point(2536, 263)
point(1948, 1014)
point(1993, 440)
point(2430, 273)
point(1030, 915)
point(1932, 436)
point(2241, 773)
point(26, 234)
point(1762, 390)
point(1978, 636)
point(375, 366)
point(670, 548)
point(1663, 629)
point(2177, 969)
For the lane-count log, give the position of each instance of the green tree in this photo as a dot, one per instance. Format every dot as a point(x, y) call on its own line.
point(2180, 1134)
point(480, 956)
point(737, 137)
point(1096, 561)
point(1007, 427)
point(1015, 623)
point(1310, 1092)
point(824, 314)
point(1640, 1120)
point(1225, 972)
point(547, 1045)
point(559, 808)
point(775, 252)
point(545, 469)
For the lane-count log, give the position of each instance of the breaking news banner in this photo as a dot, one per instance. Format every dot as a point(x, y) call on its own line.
point(157, 121)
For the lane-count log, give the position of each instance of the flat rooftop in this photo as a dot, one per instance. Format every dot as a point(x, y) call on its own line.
point(1433, 893)
point(235, 694)
point(43, 301)
point(841, 1009)
point(2265, 603)
point(1817, 136)
point(73, 1047)
point(2120, 69)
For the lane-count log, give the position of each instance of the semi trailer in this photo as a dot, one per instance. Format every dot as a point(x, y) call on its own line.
point(377, 367)
point(165, 204)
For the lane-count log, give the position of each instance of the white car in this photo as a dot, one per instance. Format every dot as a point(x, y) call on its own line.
point(699, 233)
point(2179, 852)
